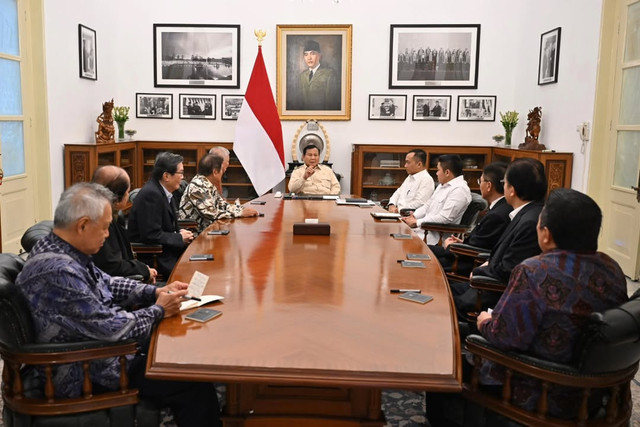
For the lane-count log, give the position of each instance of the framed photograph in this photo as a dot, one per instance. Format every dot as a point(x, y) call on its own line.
point(154, 105)
point(474, 108)
point(197, 106)
point(387, 107)
point(314, 72)
point(230, 106)
point(432, 108)
point(434, 56)
point(88, 53)
point(196, 55)
point(549, 57)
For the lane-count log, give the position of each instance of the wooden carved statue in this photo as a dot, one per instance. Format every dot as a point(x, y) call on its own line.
point(106, 131)
point(533, 130)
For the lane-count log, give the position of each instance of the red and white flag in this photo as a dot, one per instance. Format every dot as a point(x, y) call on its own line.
point(258, 143)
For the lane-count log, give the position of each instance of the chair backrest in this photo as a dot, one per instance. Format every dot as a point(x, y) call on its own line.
point(133, 193)
point(477, 205)
point(612, 339)
point(35, 233)
point(16, 324)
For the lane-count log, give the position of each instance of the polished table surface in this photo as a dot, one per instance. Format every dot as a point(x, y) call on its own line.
point(312, 310)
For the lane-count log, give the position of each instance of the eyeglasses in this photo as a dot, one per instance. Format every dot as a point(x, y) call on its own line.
point(480, 181)
point(179, 172)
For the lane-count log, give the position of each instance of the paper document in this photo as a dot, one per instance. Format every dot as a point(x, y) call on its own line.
point(197, 284)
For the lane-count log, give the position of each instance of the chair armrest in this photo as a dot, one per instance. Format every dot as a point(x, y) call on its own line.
point(557, 373)
point(55, 353)
point(467, 250)
point(406, 211)
point(188, 224)
point(144, 248)
point(444, 228)
point(487, 283)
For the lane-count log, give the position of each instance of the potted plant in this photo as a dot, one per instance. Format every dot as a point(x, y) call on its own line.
point(509, 121)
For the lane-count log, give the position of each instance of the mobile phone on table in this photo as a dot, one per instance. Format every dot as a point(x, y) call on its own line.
point(201, 257)
point(217, 232)
point(203, 314)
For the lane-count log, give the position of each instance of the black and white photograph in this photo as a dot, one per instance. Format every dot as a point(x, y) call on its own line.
point(88, 53)
point(197, 106)
point(432, 108)
point(154, 105)
point(434, 56)
point(230, 106)
point(549, 57)
point(314, 72)
point(196, 55)
point(387, 107)
point(474, 108)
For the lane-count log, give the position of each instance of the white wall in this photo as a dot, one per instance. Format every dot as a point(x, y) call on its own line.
point(509, 47)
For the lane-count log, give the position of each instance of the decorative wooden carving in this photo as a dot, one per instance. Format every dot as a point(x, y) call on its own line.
point(80, 167)
point(555, 175)
point(105, 133)
point(533, 130)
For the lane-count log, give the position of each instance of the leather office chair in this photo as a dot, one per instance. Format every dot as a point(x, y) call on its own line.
point(607, 359)
point(35, 233)
point(467, 222)
point(26, 404)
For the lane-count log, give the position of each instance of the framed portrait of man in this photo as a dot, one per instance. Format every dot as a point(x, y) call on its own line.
point(314, 72)
point(88, 53)
point(549, 57)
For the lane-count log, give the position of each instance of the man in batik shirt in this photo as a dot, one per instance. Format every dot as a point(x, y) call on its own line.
point(202, 202)
point(72, 300)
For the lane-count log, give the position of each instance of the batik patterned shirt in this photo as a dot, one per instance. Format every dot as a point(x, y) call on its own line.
point(201, 202)
point(72, 300)
point(544, 311)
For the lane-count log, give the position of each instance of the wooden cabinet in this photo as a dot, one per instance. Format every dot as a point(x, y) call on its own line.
point(378, 170)
point(558, 166)
point(80, 160)
point(138, 157)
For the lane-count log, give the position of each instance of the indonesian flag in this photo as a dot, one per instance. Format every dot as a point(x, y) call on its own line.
point(258, 143)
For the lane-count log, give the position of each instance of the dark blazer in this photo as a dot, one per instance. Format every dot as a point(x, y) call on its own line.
point(115, 256)
point(490, 228)
point(518, 242)
point(154, 221)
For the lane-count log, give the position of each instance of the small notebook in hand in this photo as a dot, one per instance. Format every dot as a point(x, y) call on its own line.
point(415, 297)
point(195, 289)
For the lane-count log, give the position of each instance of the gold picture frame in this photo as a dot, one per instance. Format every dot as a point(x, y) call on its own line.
point(299, 96)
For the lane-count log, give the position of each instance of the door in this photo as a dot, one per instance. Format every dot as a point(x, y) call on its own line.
point(621, 231)
point(16, 191)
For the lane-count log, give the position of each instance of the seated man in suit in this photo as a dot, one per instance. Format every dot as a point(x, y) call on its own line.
point(449, 200)
point(115, 256)
point(490, 228)
point(72, 300)
point(201, 201)
point(525, 186)
point(312, 177)
point(549, 299)
point(153, 218)
point(417, 187)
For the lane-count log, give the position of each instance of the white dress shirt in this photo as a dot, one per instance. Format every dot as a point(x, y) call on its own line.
point(414, 191)
point(446, 206)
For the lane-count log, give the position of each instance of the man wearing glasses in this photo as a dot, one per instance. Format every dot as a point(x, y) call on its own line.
point(153, 218)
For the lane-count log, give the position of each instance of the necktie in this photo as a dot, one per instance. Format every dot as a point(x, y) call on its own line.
point(310, 75)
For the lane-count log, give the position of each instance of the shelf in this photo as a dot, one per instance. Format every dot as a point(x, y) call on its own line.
point(377, 168)
point(386, 187)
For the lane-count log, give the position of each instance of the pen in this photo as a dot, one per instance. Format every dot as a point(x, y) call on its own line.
point(401, 291)
point(187, 297)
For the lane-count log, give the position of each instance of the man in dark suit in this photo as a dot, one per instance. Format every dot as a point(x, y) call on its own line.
point(153, 217)
point(525, 187)
point(491, 226)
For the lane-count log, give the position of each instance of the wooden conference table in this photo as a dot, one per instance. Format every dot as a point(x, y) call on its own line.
point(310, 332)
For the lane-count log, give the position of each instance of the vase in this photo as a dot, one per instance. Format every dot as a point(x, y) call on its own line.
point(507, 136)
point(121, 129)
